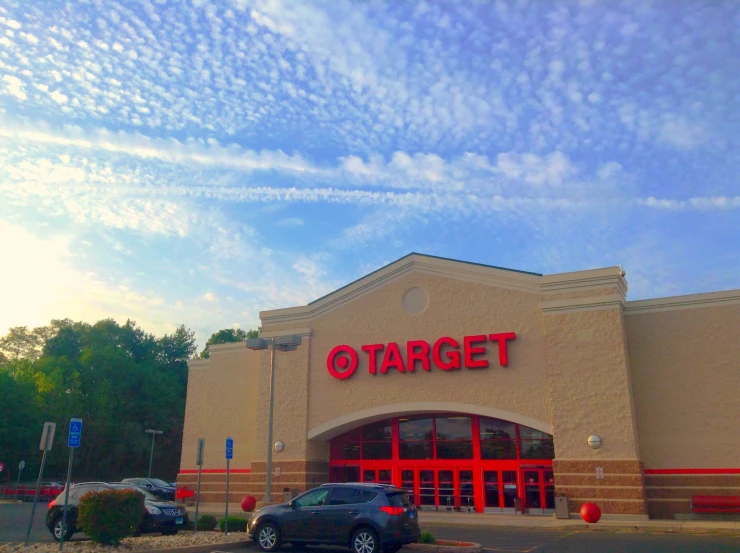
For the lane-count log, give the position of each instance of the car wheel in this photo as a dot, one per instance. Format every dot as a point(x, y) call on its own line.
point(268, 537)
point(365, 540)
point(56, 530)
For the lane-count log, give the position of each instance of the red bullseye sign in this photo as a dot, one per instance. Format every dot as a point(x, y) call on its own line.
point(343, 358)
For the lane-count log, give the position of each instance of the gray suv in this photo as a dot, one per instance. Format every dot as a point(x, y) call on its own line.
point(367, 518)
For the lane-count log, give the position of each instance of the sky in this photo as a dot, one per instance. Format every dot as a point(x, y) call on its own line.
point(198, 161)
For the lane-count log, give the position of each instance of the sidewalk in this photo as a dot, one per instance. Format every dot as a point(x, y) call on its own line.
point(534, 521)
point(530, 521)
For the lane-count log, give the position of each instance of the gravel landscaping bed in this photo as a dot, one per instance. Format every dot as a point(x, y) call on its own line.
point(143, 543)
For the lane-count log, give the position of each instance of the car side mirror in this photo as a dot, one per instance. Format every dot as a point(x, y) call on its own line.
point(291, 504)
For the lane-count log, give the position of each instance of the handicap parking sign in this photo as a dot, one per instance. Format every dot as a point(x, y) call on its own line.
point(75, 433)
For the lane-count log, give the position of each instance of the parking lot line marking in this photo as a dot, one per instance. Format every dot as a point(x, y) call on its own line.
point(509, 549)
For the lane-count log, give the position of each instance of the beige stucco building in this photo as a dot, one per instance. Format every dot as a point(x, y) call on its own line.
point(476, 387)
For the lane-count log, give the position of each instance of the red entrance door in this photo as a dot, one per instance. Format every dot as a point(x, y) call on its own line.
point(379, 475)
point(500, 490)
point(449, 489)
point(539, 490)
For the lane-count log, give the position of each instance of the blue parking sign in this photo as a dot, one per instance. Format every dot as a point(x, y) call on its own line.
point(75, 433)
point(229, 448)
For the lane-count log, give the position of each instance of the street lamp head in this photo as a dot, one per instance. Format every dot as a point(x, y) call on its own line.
point(282, 343)
point(257, 344)
point(150, 431)
point(288, 343)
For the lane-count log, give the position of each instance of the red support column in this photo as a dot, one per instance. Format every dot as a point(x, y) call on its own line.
point(478, 485)
point(394, 453)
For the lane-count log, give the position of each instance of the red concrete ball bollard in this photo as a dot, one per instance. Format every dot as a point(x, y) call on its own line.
point(248, 503)
point(590, 513)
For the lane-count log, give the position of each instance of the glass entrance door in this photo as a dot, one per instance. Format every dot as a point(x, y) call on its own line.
point(500, 490)
point(377, 475)
point(539, 495)
point(446, 489)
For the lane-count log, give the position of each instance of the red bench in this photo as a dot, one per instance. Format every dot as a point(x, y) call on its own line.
point(715, 504)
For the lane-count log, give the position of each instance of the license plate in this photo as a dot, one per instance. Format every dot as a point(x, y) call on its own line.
point(178, 520)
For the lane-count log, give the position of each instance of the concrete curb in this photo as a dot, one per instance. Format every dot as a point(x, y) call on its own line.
point(678, 529)
point(206, 548)
point(442, 547)
point(597, 527)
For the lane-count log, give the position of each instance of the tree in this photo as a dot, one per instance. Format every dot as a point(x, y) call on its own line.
point(20, 343)
point(228, 336)
point(118, 378)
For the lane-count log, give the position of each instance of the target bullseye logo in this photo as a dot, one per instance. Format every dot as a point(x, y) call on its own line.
point(342, 362)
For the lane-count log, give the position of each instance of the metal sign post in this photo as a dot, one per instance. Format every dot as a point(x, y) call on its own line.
point(47, 438)
point(73, 442)
point(199, 462)
point(229, 456)
point(21, 466)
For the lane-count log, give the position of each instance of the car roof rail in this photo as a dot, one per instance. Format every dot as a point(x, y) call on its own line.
point(364, 485)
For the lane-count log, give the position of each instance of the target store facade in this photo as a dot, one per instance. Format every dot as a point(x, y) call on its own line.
point(482, 389)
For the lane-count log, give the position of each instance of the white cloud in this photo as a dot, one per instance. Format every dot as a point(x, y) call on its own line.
point(533, 169)
point(290, 222)
point(210, 296)
point(678, 132)
point(14, 86)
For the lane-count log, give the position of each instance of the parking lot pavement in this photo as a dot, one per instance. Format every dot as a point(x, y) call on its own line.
point(525, 540)
point(14, 519)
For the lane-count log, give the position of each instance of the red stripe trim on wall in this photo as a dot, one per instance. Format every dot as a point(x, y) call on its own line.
point(215, 471)
point(692, 471)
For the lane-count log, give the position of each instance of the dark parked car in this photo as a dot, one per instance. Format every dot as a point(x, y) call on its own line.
point(367, 518)
point(160, 515)
point(155, 486)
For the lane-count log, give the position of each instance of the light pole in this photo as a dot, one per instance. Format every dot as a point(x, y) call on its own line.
point(281, 343)
point(151, 455)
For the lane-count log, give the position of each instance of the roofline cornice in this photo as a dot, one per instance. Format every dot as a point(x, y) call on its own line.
point(481, 274)
point(690, 301)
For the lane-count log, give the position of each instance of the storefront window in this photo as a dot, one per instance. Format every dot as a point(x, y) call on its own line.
point(497, 429)
point(378, 432)
point(537, 449)
point(416, 436)
point(442, 437)
point(535, 444)
point(416, 450)
point(497, 449)
point(377, 450)
point(377, 441)
point(454, 437)
point(415, 428)
point(346, 447)
point(497, 439)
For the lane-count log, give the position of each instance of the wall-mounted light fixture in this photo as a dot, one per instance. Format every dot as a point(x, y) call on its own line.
point(594, 441)
point(279, 446)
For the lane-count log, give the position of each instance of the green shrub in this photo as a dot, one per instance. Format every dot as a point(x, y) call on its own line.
point(207, 522)
point(427, 537)
point(109, 516)
point(236, 524)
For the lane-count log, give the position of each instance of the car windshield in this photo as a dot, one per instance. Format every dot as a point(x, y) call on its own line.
point(140, 490)
point(159, 483)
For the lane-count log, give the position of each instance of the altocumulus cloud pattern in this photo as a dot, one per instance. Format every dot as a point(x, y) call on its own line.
point(197, 161)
